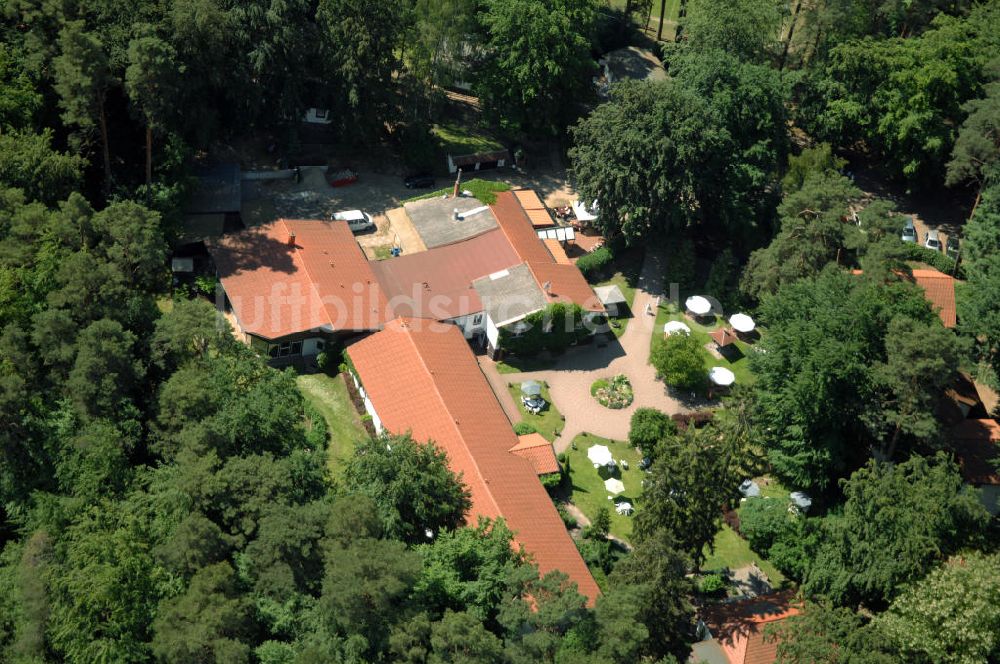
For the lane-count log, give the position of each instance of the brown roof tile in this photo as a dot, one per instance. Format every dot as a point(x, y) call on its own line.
point(558, 253)
point(438, 283)
point(939, 289)
point(514, 222)
point(738, 626)
point(421, 377)
point(528, 199)
point(566, 284)
point(293, 275)
point(538, 451)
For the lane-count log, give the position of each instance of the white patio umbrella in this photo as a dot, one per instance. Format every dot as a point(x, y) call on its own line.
point(721, 376)
point(676, 327)
point(698, 305)
point(742, 323)
point(614, 485)
point(599, 455)
point(531, 388)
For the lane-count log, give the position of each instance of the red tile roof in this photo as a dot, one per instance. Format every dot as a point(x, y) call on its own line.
point(438, 283)
point(558, 253)
point(939, 289)
point(538, 451)
point(528, 199)
point(421, 377)
point(565, 284)
point(977, 445)
point(738, 626)
point(722, 336)
point(291, 276)
point(514, 223)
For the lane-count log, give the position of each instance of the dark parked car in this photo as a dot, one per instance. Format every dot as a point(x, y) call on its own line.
point(952, 247)
point(419, 181)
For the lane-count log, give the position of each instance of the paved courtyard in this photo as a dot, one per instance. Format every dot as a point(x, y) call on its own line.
point(572, 374)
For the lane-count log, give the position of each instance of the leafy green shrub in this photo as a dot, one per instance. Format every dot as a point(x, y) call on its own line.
point(600, 526)
point(568, 519)
point(764, 521)
point(551, 481)
point(595, 261)
point(323, 361)
point(524, 428)
point(678, 360)
point(206, 284)
point(554, 328)
point(936, 259)
point(711, 584)
point(648, 427)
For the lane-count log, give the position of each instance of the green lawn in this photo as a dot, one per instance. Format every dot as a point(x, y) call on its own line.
point(548, 421)
point(459, 139)
point(588, 491)
point(732, 551)
point(627, 285)
point(670, 12)
point(484, 190)
point(329, 396)
point(517, 364)
point(741, 364)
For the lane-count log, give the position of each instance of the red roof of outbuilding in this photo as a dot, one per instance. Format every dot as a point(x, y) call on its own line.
point(438, 283)
point(739, 626)
point(421, 377)
point(293, 275)
point(538, 451)
point(939, 288)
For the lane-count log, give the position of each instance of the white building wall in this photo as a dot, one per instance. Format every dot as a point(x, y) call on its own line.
point(312, 346)
point(492, 332)
point(369, 406)
point(468, 324)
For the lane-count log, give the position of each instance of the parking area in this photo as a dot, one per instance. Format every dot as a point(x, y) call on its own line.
point(377, 194)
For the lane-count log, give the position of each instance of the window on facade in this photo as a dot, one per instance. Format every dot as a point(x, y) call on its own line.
point(477, 319)
point(320, 345)
point(272, 350)
point(296, 348)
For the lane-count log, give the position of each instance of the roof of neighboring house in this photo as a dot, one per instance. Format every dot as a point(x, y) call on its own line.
point(277, 288)
point(977, 445)
point(960, 400)
point(738, 627)
point(516, 225)
point(422, 377)
point(565, 284)
point(940, 291)
point(538, 451)
point(217, 190)
point(540, 218)
point(511, 294)
point(556, 249)
point(722, 336)
point(438, 283)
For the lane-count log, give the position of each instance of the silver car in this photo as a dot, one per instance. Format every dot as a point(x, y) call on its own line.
point(932, 240)
point(909, 231)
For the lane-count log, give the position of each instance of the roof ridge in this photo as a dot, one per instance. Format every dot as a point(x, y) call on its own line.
point(440, 397)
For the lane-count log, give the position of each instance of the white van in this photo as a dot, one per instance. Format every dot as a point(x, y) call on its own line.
point(357, 220)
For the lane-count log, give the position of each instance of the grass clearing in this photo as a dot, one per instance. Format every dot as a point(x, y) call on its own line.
point(483, 190)
point(588, 492)
point(732, 551)
point(456, 139)
point(329, 396)
point(515, 364)
point(740, 364)
point(547, 422)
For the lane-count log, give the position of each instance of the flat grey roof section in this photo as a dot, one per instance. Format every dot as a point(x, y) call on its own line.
point(510, 295)
point(434, 219)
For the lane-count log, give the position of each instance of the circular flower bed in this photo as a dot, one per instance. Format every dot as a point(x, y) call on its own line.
point(613, 392)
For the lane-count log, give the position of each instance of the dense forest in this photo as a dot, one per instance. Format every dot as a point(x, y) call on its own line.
point(165, 496)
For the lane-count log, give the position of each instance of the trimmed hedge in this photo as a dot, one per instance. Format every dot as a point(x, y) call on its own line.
point(595, 261)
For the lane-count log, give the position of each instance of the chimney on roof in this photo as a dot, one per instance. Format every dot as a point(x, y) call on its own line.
point(291, 239)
